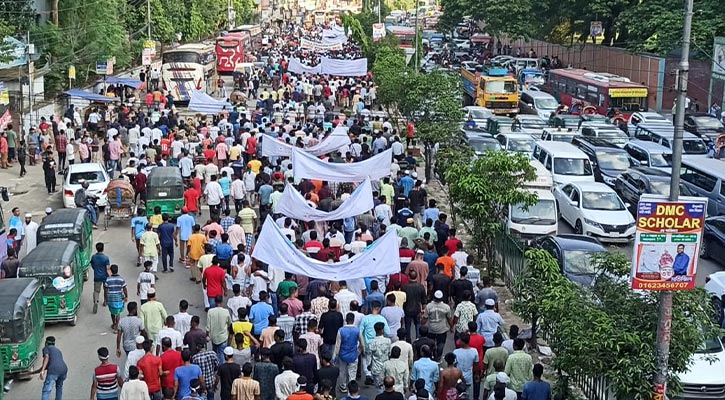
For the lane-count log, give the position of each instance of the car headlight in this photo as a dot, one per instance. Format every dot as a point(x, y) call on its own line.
point(593, 223)
point(609, 180)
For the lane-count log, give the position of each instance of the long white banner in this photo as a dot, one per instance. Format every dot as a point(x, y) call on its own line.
point(294, 205)
point(311, 167)
point(318, 46)
point(337, 139)
point(380, 258)
point(330, 66)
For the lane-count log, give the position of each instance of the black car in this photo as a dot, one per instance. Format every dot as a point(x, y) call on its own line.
point(636, 181)
point(573, 253)
point(607, 159)
point(713, 240)
point(704, 125)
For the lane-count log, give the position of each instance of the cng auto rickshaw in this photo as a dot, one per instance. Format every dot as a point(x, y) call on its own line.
point(22, 324)
point(165, 189)
point(58, 268)
point(69, 224)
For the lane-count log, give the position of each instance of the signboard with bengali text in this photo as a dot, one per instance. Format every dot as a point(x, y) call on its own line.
point(667, 243)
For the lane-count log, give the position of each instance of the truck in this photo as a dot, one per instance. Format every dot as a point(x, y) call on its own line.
point(539, 219)
point(494, 89)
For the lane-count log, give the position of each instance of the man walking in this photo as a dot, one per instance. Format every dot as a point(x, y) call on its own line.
point(115, 295)
point(107, 380)
point(150, 248)
point(218, 322)
point(53, 371)
point(100, 264)
point(167, 240)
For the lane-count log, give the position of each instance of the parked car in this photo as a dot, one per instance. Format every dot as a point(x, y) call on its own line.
point(93, 173)
point(715, 286)
point(704, 380)
point(479, 114)
point(603, 130)
point(649, 154)
point(636, 181)
point(646, 117)
point(607, 159)
point(595, 209)
point(704, 125)
point(530, 124)
point(573, 253)
point(463, 44)
point(517, 142)
point(482, 144)
point(713, 240)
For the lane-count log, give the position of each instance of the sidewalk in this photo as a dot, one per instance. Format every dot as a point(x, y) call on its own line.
point(29, 192)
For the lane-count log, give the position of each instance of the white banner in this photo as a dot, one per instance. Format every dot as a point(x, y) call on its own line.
point(311, 167)
point(206, 104)
point(294, 205)
point(309, 44)
point(331, 66)
point(380, 258)
point(338, 138)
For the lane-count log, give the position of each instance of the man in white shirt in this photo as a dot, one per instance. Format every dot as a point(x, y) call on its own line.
point(237, 301)
point(214, 197)
point(70, 151)
point(133, 135)
point(460, 258)
point(238, 192)
point(168, 331)
point(182, 319)
point(384, 210)
point(344, 296)
point(186, 164)
point(176, 147)
point(397, 147)
point(143, 140)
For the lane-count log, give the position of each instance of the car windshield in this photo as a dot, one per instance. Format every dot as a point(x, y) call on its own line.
point(479, 114)
point(712, 345)
point(521, 145)
point(708, 123)
point(562, 138)
point(663, 188)
point(541, 213)
point(694, 147)
point(660, 160)
point(613, 160)
point(546, 104)
point(605, 201)
point(578, 262)
point(501, 87)
point(76, 178)
point(572, 166)
point(481, 146)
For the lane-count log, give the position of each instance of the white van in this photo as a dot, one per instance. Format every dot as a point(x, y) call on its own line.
point(539, 219)
point(565, 162)
point(536, 102)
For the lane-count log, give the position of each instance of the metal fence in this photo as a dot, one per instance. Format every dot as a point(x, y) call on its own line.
point(509, 254)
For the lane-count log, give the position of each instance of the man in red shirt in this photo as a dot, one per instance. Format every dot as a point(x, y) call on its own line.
point(170, 360)
point(214, 281)
point(191, 201)
point(139, 185)
point(150, 367)
point(476, 341)
point(411, 131)
point(452, 242)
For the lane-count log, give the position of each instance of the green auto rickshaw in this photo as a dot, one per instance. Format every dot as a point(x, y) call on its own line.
point(499, 124)
point(58, 268)
point(70, 224)
point(165, 189)
point(22, 324)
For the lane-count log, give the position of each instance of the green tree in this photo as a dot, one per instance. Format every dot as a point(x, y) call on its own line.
point(5, 48)
point(482, 191)
point(390, 73)
point(18, 15)
point(608, 330)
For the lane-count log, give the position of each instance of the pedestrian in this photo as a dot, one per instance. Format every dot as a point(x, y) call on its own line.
point(427, 369)
point(501, 391)
point(146, 280)
point(167, 240)
point(398, 369)
point(227, 373)
point(49, 171)
point(170, 361)
point(214, 282)
point(115, 294)
point(208, 362)
point(129, 328)
point(466, 360)
point(22, 157)
point(389, 390)
point(31, 231)
point(138, 227)
point(53, 371)
point(136, 389)
point(150, 247)
point(440, 319)
point(218, 325)
point(379, 352)
point(305, 364)
point(245, 387)
point(9, 266)
point(168, 332)
point(519, 367)
point(493, 354)
point(188, 378)
point(107, 379)
point(153, 315)
point(150, 367)
point(489, 322)
point(195, 249)
point(184, 229)
point(16, 222)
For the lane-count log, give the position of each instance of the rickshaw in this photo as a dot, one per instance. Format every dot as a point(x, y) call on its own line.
point(121, 203)
point(69, 224)
point(57, 266)
point(22, 324)
point(165, 189)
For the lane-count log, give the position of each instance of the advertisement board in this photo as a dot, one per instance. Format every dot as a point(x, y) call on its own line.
point(667, 243)
point(378, 31)
point(718, 58)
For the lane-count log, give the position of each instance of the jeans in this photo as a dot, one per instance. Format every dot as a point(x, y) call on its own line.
point(348, 237)
point(92, 210)
point(156, 395)
point(50, 381)
point(209, 394)
point(327, 348)
point(112, 167)
point(167, 253)
point(348, 372)
point(275, 302)
point(212, 302)
point(214, 210)
point(412, 320)
point(61, 159)
point(219, 350)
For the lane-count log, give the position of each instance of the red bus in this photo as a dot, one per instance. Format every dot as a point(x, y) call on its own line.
point(580, 89)
point(230, 50)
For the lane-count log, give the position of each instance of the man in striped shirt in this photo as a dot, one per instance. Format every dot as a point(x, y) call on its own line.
point(115, 295)
point(107, 380)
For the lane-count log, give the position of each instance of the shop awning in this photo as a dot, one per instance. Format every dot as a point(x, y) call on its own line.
point(88, 95)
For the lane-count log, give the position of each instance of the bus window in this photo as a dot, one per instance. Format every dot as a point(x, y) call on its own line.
point(181, 57)
point(629, 104)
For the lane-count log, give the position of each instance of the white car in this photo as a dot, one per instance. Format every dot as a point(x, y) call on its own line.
point(93, 173)
point(517, 143)
point(715, 286)
point(595, 209)
point(463, 44)
point(479, 115)
point(704, 378)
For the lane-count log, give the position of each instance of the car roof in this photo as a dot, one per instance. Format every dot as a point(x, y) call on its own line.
point(712, 166)
point(651, 114)
point(501, 118)
point(598, 143)
point(481, 138)
point(715, 218)
point(531, 116)
point(593, 187)
point(537, 93)
point(652, 147)
point(559, 147)
point(85, 167)
point(577, 242)
point(513, 135)
point(651, 172)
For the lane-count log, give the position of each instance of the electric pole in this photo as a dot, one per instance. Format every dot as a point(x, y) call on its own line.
point(664, 329)
point(29, 52)
point(148, 18)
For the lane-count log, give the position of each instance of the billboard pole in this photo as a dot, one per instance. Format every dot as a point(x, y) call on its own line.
point(664, 328)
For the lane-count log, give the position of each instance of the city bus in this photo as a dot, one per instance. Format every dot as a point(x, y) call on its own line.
point(254, 32)
point(230, 51)
point(579, 89)
point(189, 67)
point(406, 38)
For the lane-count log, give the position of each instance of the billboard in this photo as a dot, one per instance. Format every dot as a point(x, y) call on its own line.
point(667, 243)
point(718, 58)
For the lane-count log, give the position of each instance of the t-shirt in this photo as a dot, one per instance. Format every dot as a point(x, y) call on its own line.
point(259, 314)
point(185, 223)
point(330, 322)
point(145, 280)
point(537, 390)
point(185, 374)
point(196, 246)
point(393, 315)
point(170, 360)
point(227, 373)
point(139, 226)
point(56, 365)
point(100, 263)
point(149, 366)
point(390, 396)
point(214, 276)
point(191, 200)
point(149, 240)
point(465, 360)
point(166, 233)
point(114, 285)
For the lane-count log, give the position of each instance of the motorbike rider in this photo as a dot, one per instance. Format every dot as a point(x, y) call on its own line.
point(84, 199)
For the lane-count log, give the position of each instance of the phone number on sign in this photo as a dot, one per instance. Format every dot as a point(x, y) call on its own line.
point(662, 285)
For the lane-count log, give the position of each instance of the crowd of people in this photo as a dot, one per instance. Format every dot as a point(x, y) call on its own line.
point(431, 330)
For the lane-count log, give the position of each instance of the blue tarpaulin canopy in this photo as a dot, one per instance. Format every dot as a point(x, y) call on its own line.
point(113, 80)
point(89, 96)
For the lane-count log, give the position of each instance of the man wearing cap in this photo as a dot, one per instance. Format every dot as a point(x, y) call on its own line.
point(409, 232)
point(502, 391)
point(153, 314)
point(440, 319)
point(227, 374)
point(150, 247)
point(31, 230)
point(489, 322)
point(134, 355)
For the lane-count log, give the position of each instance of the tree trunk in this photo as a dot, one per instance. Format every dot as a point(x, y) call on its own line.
point(54, 13)
point(534, 331)
point(428, 159)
